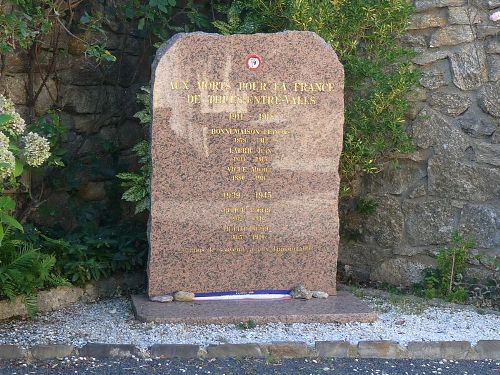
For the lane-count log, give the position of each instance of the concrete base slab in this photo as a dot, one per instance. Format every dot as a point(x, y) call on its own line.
point(342, 308)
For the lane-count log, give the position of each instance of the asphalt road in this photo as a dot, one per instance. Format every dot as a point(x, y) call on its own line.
point(252, 366)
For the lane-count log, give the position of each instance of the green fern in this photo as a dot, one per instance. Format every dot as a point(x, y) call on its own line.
point(24, 270)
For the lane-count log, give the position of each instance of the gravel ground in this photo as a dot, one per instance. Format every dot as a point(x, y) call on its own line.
point(111, 321)
point(252, 366)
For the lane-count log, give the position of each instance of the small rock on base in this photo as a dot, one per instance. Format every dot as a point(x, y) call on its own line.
point(184, 296)
point(300, 292)
point(161, 299)
point(319, 294)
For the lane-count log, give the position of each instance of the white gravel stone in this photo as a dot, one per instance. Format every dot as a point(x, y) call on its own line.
point(95, 323)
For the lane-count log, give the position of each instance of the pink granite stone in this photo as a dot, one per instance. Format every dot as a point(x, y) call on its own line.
point(246, 139)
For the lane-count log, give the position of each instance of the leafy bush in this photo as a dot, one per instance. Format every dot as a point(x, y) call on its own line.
point(138, 183)
point(24, 270)
point(94, 252)
point(447, 280)
point(379, 73)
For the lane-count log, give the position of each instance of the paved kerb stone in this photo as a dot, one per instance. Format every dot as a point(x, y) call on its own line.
point(335, 349)
point(109, 350)
point(289, 350)
point(439, 350)
point(43, 352)
point(174, 351)
point(488, 349)
point(11, 352)
point(235, 351)
point(380, 349)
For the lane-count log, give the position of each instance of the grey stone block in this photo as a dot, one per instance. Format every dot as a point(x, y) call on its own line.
point(439, 350)
point(235, 351)
point(292, 349)
point(488, 349)
point(335, 349)
point(43, 352)
point(11, 352)
point(380, 349)
point(174, 351)
point(109, 350)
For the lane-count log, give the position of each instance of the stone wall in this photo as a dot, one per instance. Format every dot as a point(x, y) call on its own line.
point(96, 103)
point(452, 181)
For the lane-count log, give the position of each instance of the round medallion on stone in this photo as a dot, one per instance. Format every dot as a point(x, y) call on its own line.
point(254, 61)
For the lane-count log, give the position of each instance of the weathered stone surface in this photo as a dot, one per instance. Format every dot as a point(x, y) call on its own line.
point(479, 223)
point(93, 191)
point(55, 299)
point(431, 129)
point(235, 351)
point(468, 65)
point(466, 15)
point(493, 45)
point(439, 350)
point(430, 222)
point(477, 126)
point(433, 79)
point(174, 351)
point(130, 134)
point(183, 296)
point(44, 352)
point(8, 352)
point(488, 349)
point(489, 98)
point(109, 351)
point(487, 153)
point(395, 179)
point(492, 4)
point(380, 349)
point(386, 224)
point(86, 124)
point(413, 40)
point(427, 56)
point(404, 271)
point(293, 349)
point(451, 35)
point(484, 31)
point(335, 349)
point(426, 20)
point(90, 99)
point(162, 299)
point(493, 67)
point(429, 4)
point(449, 103)
point(300, 292)
point(450, 178)
point(195, 243)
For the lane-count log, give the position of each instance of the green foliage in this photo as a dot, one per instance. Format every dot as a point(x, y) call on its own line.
point(138, 183)
point(94, 252)
point(24, 270)
point(366, 206)
point(7, 219)
point(445, 281)
point(249, 324)
point(379, 73)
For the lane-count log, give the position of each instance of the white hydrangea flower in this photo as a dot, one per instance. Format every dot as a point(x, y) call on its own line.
point(16, 126)
point(6, 104)
point(7, 163)
point(36, 149)
point(4, 140)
